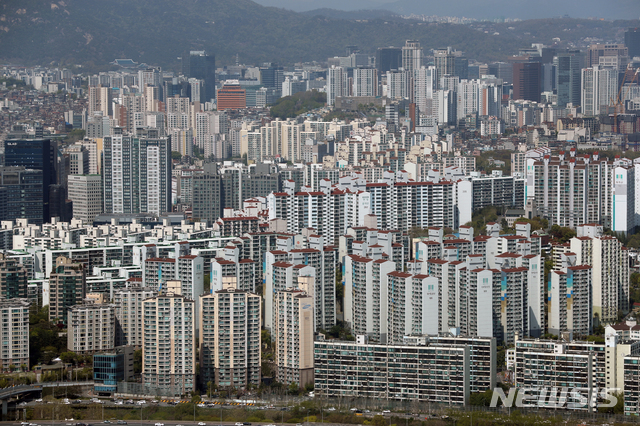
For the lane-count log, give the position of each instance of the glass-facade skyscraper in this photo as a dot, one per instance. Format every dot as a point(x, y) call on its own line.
point(198, 64)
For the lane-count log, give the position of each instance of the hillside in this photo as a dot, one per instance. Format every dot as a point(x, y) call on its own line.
point(95, 32)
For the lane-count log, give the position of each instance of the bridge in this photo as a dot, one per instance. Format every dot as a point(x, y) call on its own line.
point(10, 391)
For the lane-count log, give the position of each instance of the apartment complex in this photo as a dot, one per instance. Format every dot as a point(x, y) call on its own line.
point(15, 333)
point(169, 352)
point(13, 278)
point(91, 328)
point(293, 337)
point(128, 314)
point(67, 288)
point(230, 352)
point(438, 373)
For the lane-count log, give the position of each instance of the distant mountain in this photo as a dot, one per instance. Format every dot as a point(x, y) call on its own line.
point(352, 14)
point(539, 9)
point(95, 32)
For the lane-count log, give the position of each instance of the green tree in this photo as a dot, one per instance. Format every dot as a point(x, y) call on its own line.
point(137, 361)
point(69, 357)
point(175, 155)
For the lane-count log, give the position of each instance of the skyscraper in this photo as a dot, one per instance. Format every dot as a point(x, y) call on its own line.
point(411, 55)
point(527, 81)
point(365, 82)
point(568, 73)
point(198, 64)
point(86, 193)
point(137, 173)
point(632, 41)
point(425, 83)
point(35, 154)
point(22, 195)
point(388, 58)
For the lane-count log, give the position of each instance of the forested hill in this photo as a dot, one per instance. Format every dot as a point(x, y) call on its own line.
point(94, 32)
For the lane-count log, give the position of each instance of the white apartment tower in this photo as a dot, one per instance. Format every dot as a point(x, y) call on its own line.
point(230, 353)
point(336, 84)
point(15, 333)
point(91, 328)
point(128, 313)
point(169, 349)
point(365, 82)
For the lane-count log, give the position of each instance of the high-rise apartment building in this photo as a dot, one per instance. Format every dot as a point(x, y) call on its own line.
point(398, 84)
point(425, 84)
point(100, 100)
point(570, 301)
point(169, 348)
point(128, 314)
point(337, 84)
point(15, 333)
point(137, 173)
point(293, 337)
point(230, 353)
point(365, 82)
point(13, 278)
point(91, 328)
point(599, 89)
point(86, 193)
point(67, 288)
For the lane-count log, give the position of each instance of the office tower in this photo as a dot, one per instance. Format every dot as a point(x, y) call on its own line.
point(388, 58)
point(137, 173)
point(293, 337)
point(548, 77)
point(230, 353)
point(365, 82)
point(91, 328)
point(425, 84)
point(570, 301)
point(398, 84)
point(411, 56)
point(336, 84)
point(15, 333)
point(568, 74)
point(100, 101)
point(86, 193)
point(128, 314)
point(272, 76)
point(36, 154)
point(169, 349)
point(22, 195)
point(207, 194)
point(202, 66)
point(13, 278)
point(527, 81)
point(597, 51)
point(67, 288)
point(632, 42)
point(231, 96)
point(502, 70)
point(599, 89)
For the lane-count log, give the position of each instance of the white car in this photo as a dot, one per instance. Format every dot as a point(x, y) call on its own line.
point(239, 424)
point(38, 400)
point(203, 424)
point(141, 402)
point(159, 424)
point(385, 411)
point(331, 409)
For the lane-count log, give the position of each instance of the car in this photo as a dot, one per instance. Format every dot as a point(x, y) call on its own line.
point(24, 424)
point(22, 403)
point(121, 422)
point(331, 409)
point(154, 401)
point(107, 422)
point(385, 411)
point(37, 400)
point(246, 424)
point(159, 424)
point(239, 424)
point(129, 401)
point(141, 402)
point(203, 424)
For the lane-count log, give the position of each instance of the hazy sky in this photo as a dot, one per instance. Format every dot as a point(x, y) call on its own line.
point(524, 9)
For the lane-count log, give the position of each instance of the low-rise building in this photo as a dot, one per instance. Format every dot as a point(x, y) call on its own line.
point(111, 367)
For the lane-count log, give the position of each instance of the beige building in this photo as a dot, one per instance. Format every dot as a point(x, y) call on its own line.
point(293, 337)
point(230, 353)
point(91, 328)
point(86, 193)
point(129, 309)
